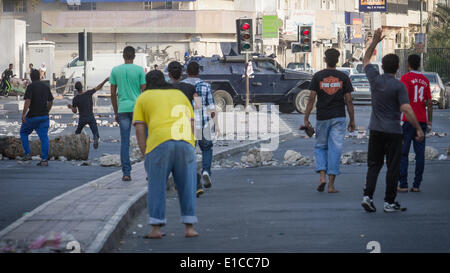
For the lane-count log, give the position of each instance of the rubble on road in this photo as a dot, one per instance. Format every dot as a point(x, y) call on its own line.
point(110, 161)
point(293, 158)
point(255, 157)
point(442, 157)
point(52, 242)
point(431, 153)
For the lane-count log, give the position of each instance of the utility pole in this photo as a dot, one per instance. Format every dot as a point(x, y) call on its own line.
point(421, 33)
point(85, 58)
point(247, 85)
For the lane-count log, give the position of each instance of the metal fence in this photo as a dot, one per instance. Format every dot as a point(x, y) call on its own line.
point(435, 60)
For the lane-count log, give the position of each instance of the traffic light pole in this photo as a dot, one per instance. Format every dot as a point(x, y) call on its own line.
point(247, 85)
point(85, 59)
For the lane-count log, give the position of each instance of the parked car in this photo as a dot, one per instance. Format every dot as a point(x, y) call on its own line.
point(347, 70)
point(439, 94)
point(359, 67)
point(361, 87)
point(270, 83)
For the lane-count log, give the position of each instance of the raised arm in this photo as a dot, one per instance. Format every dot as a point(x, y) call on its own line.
point(101, 84)
point(377, 37)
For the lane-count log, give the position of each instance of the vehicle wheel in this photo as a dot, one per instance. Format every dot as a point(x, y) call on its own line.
point(222, 98)
point(301, 101)
point(287, 108)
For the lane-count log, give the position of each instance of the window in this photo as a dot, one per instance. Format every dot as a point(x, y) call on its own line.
point(16, 6)
point(161, 5)
point(76, 63)
point(327, 4)
point(397, 6)
point(415, 5)
point(83, 6)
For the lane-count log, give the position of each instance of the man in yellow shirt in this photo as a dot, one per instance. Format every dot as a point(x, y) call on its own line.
point(168, 115)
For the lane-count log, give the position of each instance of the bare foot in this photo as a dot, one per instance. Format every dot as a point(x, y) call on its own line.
point(332, 190)
point(155, 233)
point(190, 232)
point(321, 186)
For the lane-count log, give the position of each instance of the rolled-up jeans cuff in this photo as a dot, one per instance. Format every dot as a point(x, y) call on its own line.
point(154, 221)
point(189, 219)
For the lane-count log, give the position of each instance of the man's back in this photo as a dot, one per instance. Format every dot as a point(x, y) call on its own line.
point(84, 103)
point(168, 115)
point(39, 94)
point(388, 94)
point(187, 89)
point(418, 87)
point(128, 78)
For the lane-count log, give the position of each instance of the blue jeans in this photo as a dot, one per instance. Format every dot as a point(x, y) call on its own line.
point(207, 154)
point(40, 124)
point(90, 120)
point(177, 157)
point(330, 135)
point(125, 122)
point(409, 134)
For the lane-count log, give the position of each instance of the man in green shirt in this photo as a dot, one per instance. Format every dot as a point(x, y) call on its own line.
point(127, 83)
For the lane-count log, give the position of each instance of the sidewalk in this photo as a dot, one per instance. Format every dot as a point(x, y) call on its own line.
point(97, 213)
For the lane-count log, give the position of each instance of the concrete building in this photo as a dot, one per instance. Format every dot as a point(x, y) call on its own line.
point(166, 30)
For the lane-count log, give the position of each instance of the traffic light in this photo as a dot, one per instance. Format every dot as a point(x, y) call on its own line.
point(81, 46)
point(244, 32)
point(305, 38)
point(296, 47)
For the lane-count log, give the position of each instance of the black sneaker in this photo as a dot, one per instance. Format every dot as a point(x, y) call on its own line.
point(43, 163)
point(368, 205)
point(393, 207)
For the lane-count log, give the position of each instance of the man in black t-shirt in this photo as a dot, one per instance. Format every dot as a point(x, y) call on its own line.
point(38, 102)
point(83, 102)
point(333, 91)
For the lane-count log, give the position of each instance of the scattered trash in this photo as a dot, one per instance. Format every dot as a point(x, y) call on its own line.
point(442, 157)
point(140, 226)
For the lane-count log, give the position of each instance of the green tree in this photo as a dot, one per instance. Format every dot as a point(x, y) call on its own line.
point(439, 28)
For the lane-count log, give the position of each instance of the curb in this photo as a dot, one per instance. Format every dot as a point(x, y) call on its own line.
point(112, 233)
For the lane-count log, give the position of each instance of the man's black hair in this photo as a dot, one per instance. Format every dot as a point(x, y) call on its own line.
point(35, 75)
point(332, 57)
point(10, 64)
point(193, 69)
point(175, 70)
point(129, 53)
point(79, 86)
point(390, 63)
point(155, 80)
point(414, 61)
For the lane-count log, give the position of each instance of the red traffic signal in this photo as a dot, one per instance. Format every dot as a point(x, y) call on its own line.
point(245, 26)
point(306, 32)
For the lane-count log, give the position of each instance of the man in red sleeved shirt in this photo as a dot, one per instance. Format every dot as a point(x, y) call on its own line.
point(419, 93)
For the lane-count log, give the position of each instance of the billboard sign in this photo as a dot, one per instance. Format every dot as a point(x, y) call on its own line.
point(372, 6)
point(355, 27)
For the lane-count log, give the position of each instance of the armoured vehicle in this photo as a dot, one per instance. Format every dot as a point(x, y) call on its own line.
point(270, 83)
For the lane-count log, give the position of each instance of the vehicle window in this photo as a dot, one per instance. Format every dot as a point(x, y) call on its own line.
point(266, 66)
point(359, 79)
point(75, 63)
point(292, 66)
point(431, 78)
point(440, 81)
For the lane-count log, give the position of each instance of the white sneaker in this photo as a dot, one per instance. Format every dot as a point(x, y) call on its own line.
point(368, 205)
point(206, 179)
point(393, 207)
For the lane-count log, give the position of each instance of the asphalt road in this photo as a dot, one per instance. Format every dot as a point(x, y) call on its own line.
point(277, 209)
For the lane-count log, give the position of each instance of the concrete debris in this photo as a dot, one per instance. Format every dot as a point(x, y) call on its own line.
point(447, 150)
point(412, 157)
point(255, 157)
point(62, 158)
point(110, 161)
point(293, 158)
point(442, 157)
point(36, 158)
point(357, 156)
point(431, 153)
